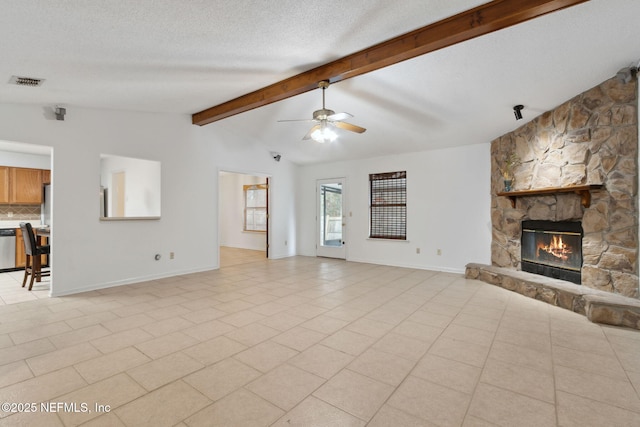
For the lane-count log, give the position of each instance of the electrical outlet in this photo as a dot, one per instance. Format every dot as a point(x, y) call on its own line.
point(439, 252)
point(10, 214)
point(172, 255)
point(417, 250)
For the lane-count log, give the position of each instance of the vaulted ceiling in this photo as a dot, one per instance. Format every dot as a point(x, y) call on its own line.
point(184, 57)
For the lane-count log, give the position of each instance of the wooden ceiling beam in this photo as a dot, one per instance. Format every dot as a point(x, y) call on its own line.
point(472, 23)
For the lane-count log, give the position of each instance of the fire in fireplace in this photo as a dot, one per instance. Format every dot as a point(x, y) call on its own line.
point(552, 249)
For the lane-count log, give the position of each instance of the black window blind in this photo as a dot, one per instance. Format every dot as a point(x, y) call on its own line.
point(388, 193)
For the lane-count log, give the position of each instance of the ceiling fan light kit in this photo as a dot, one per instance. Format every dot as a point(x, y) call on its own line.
point(327, 121)
point(323, 134)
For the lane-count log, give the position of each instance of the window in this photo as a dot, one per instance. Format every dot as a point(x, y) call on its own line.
point(331, 214)
point(255, 207)
point(388, 205)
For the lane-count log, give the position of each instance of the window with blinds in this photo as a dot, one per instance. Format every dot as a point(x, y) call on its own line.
point(255, 207)
point(388, 205)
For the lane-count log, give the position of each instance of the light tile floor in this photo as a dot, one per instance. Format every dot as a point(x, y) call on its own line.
point(11, 290)
point(313, 342)
point(235, 256)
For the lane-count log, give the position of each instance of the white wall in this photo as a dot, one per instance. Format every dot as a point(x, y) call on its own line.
point(231, 198)
point(448, 208)
point(24, 160)
point(88, 253)
point(448, 196)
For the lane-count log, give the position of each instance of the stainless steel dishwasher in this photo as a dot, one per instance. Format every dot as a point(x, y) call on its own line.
point(7, 248)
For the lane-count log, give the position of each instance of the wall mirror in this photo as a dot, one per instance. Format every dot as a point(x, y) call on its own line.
point(129, 188)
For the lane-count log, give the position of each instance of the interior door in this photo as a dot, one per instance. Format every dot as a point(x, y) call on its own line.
point(330, 227)
point(266, 234)
point(117, 194)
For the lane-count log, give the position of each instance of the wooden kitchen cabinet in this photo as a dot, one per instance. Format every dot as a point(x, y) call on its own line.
point(22, 186)
point(4, 184)
point(21, 256)
point(26, 186)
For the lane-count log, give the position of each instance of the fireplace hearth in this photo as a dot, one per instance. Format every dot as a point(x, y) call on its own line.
point(552, 249)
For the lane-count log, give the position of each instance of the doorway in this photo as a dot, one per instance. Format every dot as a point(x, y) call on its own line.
point(243, 217)
point(31, 156)
point(330, 226)
point(118, 194)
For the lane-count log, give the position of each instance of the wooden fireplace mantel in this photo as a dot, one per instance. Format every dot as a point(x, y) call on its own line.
point(583, 190)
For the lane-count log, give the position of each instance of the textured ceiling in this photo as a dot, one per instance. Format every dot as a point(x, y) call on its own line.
point(182, 57)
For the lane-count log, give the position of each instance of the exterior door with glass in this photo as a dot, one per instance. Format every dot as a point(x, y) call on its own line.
point(330, 219)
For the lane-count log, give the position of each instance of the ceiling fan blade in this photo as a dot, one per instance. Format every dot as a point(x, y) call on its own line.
point(308, 135)
point(298, 120)
point(339, 116)
point(349, 127)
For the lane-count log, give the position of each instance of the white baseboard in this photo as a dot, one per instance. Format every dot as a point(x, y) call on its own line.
point(128, 281)
point(414, 266)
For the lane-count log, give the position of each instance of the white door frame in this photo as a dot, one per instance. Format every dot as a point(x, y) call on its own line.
point(322, 250)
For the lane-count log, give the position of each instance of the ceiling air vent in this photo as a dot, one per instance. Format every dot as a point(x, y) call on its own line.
point(25, 81)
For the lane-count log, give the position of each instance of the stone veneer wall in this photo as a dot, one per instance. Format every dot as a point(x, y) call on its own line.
point(591, 139)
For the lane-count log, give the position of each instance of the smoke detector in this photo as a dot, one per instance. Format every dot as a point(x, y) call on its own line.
point(25, 81)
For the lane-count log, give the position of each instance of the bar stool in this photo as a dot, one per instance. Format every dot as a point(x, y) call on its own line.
point(33, 265)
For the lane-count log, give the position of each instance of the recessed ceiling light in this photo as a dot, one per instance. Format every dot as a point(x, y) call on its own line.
point(25, 81)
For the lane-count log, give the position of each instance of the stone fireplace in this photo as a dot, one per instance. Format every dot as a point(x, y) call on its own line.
point(591, 140)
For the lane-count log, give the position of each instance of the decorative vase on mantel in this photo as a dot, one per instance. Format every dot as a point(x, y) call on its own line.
point(510, 162)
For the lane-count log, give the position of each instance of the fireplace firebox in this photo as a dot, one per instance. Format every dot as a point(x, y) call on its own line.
point(552, 249)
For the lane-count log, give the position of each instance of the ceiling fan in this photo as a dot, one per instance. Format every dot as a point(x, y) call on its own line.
point(326, 121)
